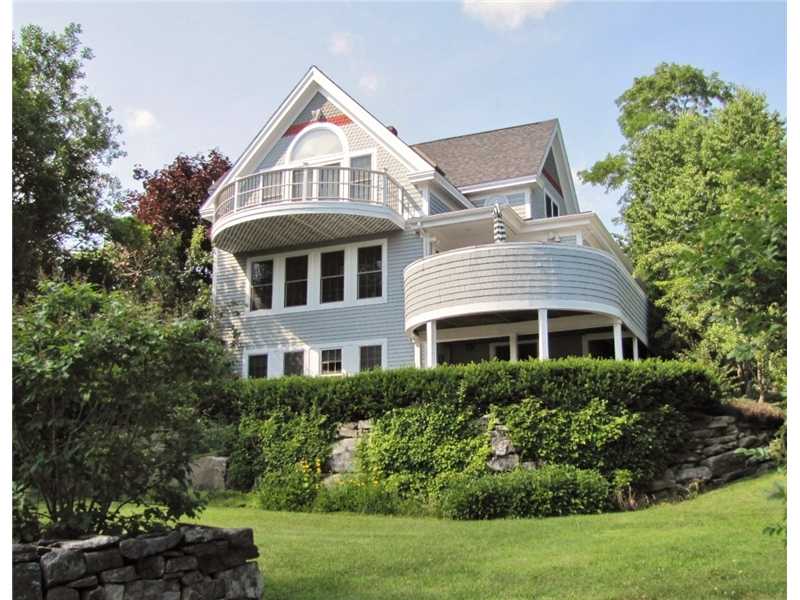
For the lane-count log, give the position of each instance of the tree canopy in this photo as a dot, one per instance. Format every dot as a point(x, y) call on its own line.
point(62, 139)
point(702, 176)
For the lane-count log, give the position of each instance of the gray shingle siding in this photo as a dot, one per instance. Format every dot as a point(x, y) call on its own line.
point(437, 206)
point(322, 326)
point(550, 275)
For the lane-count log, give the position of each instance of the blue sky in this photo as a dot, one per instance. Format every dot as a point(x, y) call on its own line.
point(188, 77)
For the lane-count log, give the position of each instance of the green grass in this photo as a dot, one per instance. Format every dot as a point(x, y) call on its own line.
point(709, 547)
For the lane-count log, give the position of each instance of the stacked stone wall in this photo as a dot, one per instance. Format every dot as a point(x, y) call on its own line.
point(189, 563)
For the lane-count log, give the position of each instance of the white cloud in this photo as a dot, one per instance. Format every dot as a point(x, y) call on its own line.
point(141, 119)
point(368, 83)
point(341, 43)
point(508, 15)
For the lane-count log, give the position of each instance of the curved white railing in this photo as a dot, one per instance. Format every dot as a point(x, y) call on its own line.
point(309, 184)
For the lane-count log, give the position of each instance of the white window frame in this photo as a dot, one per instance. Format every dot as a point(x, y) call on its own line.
point(313, 299)
point(481, 199)
point(312, 357)
point(493, 346)
point(600, 335)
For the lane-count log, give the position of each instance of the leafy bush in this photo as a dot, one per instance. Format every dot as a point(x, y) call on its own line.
point(413, 450)
point(276, 444)
point(293, 488)
point(360, 495)
point(104, 408)
point(597, 435)
point(563, 383)
point(549, 491)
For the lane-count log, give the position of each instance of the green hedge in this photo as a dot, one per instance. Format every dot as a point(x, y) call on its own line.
point(566, 383)
point(549, 491)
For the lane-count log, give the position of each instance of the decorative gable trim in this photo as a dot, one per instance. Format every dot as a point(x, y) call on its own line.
point(313, 82)
point(567, 187)
point(339, 120)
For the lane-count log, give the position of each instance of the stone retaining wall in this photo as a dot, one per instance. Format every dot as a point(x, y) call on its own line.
point(189, 563)
point(709, 459)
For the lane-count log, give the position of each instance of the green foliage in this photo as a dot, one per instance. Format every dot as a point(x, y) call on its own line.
point(549, 491)
point(62, 140)
point(599, 435)
point(104, 407)
point(563, 383)
point(703, 182)
point(293, 488)
point(277, 444)
point(360, 494)
point(414, 450)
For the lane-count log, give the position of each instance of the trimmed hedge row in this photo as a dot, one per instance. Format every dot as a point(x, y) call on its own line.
point(549, 491)
point(565, 383)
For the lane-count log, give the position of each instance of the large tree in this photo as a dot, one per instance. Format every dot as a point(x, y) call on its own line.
point(702, 176)
point(62, 140)
point(171, 196)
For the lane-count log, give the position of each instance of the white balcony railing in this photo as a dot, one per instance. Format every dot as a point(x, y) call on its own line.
point(310, 184)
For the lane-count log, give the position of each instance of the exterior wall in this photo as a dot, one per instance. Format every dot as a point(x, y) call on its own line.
point(318, 327)
point(437, 205)
point(522, 276)
point(357, 138)
point(518, 198)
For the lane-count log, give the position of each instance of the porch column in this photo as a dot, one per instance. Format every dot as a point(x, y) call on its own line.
point(544, 345)
point(618, 339)
point(417, 352)
point(513, 353)
point(430, 344)
point(635, 349)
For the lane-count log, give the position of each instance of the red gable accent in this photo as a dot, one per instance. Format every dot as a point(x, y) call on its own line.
point(339, 120)
point(552, 180)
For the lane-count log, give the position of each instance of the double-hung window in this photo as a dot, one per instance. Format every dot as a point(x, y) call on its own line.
point(261, 274)
point(360, 176)
point(370, 272)
point(332, 276)
point(296, 286)
point(331, 361)
point(293, 363)
point(370, 358)
point(257, 365)
point(550, 206)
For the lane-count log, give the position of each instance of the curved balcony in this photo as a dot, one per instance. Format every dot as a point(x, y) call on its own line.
point(524, 276)
point(288, 207)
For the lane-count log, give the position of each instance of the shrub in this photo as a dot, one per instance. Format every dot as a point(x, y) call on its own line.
point(597, 435)
point(563, 383)
point(360, 495)
point(415, 449)
point(276, 444)
point(550, 491)
point(293, 488)
point(104, 408)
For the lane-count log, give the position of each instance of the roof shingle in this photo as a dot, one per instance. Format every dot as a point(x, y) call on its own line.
point(491, 155)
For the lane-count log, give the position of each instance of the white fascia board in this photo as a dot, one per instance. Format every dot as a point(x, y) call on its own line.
point(556, 144)
point(433, 176)
point(312, 82)
point(499, 184)
point(468, 215)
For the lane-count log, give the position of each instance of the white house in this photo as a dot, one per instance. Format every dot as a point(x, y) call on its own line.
point(338, 247)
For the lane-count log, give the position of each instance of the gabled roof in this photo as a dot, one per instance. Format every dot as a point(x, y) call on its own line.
point(313, 81)
point(491, 155)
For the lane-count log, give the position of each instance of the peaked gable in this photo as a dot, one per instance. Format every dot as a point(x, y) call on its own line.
point(314, 92)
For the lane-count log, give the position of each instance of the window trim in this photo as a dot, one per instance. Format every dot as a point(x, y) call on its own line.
point(250, 285)
point(362, 345)
point(343, 276)
point(314, 291)
point(341, 361)
point(312, 357)
point(286, 282)
point(247, 364)
point(599, 335)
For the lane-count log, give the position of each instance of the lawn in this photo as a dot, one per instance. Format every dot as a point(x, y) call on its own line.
point(709, 547)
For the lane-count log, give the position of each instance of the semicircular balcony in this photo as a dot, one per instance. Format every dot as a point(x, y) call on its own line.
point(289, 207)
point(507, 282)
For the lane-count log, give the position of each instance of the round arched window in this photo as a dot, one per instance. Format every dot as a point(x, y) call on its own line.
point(315, 143)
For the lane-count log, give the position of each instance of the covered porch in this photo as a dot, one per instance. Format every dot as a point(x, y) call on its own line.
point(521, 335)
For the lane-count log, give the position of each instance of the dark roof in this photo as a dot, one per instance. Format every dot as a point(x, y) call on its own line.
point(491, 155)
